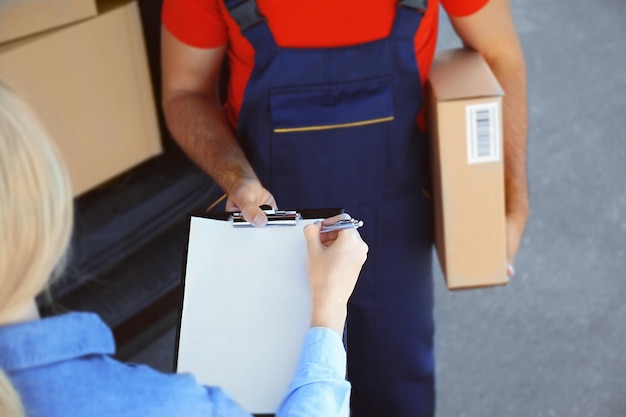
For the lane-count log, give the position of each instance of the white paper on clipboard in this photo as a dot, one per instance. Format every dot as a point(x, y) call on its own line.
point(246, 309)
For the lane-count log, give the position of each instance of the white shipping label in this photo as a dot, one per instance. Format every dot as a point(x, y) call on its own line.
point(483, 133)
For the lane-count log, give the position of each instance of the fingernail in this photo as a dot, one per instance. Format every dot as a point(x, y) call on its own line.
point(259, 220)
point(511, 270)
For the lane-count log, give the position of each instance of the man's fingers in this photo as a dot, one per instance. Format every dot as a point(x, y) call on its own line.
point(510, 270)
point(253, 214)
point(513, 239)
point(246, 197)
point(231, 206)
point(271, 202)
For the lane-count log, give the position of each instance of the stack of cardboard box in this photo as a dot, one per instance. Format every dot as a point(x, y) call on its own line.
point(82, 66)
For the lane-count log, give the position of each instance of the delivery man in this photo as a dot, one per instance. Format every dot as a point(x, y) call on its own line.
point(325, 109)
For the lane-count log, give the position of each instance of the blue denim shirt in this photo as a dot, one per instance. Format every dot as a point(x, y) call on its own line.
point(61, 368)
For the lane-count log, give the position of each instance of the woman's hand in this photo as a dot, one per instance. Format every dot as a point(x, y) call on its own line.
point(334, 263)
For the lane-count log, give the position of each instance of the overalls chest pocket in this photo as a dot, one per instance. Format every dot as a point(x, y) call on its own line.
point(328, 142)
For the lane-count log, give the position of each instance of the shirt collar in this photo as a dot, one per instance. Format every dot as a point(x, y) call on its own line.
point(53, 339)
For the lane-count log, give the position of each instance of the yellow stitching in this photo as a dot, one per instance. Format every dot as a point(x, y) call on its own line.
point(337, 126)
point(216, 202)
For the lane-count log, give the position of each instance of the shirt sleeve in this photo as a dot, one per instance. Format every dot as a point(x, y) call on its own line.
point(319, 387)
point(198, 23)
point(223, 405)
point(463, 8)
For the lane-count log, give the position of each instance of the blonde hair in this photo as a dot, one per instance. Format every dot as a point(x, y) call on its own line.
point(36, 213)
point(10, 404)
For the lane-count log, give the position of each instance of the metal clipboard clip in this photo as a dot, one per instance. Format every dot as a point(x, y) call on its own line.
point(290, 218)
point(274, 217)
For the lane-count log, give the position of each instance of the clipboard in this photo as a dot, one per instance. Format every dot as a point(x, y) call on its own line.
point(246, 304)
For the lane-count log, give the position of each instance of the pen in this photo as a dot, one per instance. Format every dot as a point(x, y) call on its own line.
point(342, 224)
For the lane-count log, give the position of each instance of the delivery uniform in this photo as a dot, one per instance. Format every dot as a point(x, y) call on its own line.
point(337, 126)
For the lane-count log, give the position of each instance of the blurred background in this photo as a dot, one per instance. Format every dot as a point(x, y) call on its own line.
point(548, 344)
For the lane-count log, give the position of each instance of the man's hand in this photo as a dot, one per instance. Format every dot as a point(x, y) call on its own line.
point(246, 198)
point(514, 230)
point(334, 263)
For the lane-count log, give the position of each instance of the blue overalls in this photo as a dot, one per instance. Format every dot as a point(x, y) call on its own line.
point(336, 127)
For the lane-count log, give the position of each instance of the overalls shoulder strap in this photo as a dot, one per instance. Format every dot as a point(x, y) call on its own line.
point(408, 18)
point(252, 24)
point(415, 4)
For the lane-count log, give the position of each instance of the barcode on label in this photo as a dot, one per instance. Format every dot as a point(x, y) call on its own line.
point(483, 133)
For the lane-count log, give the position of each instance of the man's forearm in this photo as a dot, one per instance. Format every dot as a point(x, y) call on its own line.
point(491, 32)
point(510, 71)
point(199, 125)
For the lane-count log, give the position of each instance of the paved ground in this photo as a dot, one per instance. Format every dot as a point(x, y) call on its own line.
point(551, 343)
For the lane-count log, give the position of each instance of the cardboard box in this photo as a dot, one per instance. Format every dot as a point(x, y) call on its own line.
point(20, 18)
point(465, 117)
point(89, 83)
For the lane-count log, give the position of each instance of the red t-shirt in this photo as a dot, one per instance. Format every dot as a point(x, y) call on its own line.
point(301, 24)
